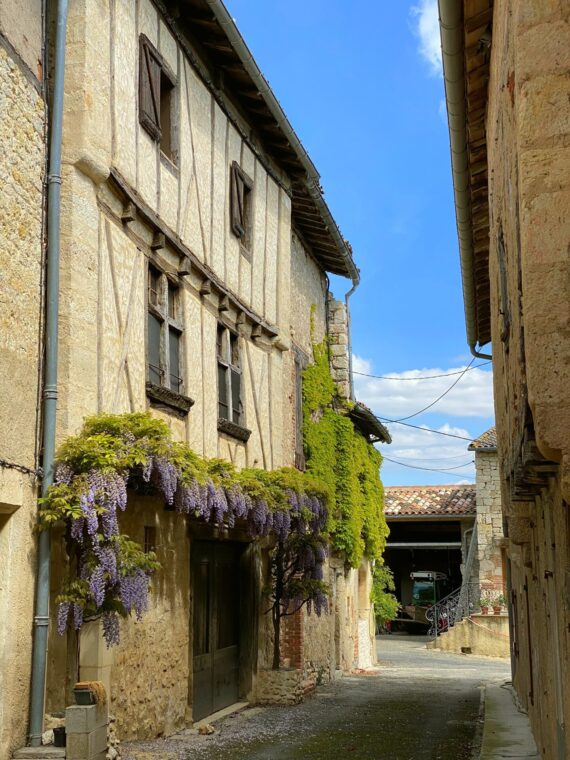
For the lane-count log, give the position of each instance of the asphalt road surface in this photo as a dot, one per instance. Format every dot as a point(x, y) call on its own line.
point(419, 705)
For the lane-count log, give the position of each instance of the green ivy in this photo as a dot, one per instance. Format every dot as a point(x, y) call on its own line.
point(340, 456)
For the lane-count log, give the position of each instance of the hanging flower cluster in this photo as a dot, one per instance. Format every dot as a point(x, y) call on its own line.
point(114, 453)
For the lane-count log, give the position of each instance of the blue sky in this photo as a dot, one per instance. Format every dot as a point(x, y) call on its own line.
point(361, 83)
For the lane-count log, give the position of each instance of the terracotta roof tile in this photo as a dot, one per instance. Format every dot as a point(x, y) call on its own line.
point(486, 441)
point(429, 500)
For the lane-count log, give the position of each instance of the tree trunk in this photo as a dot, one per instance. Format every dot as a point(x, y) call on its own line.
point(276, 638)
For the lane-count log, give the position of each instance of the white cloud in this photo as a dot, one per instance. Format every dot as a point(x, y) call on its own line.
point(432, 452)
point(471, 397)
point(426, 23)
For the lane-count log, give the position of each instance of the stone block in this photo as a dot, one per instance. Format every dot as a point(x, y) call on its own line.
point(543, 111)
point(86, 746)
point(337, 350)
point(83, 719)
point(39, 753)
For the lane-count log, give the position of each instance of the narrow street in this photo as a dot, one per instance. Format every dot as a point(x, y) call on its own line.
point(419, 705)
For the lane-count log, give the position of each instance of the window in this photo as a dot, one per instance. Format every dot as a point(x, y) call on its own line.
point(149, 539)
point(241, 197)
point(156, 97)
point(229, 377)
point(164, 332)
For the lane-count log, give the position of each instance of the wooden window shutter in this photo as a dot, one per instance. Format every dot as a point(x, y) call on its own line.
point(150, 67)
point(237, 192)
point(240, 187)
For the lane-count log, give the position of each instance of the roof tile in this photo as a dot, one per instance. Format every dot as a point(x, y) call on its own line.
point(429, 500)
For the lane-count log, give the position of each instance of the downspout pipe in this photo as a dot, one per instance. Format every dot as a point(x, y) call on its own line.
point(312, 181)
point(453, 58)
point(49, 401)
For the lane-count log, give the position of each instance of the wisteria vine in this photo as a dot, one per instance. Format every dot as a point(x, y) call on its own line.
point(109, 573)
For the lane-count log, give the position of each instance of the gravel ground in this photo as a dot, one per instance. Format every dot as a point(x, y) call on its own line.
point(418, 705)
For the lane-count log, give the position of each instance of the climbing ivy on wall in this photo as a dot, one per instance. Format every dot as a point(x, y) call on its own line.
point(340, 456)
point(109, 573)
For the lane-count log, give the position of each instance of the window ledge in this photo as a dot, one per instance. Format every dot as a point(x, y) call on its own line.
point(236, 431)
point(161, 395)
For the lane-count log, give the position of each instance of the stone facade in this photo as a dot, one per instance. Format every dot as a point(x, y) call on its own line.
point(526, 134)
point(21, 290)
point(132, 207)
point(489, 520)
point(528, 125)
point(135, 209)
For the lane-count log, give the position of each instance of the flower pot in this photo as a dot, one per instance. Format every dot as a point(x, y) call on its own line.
point(484, 610)
point(497, 610)
point(59, 736)
point(84, 697)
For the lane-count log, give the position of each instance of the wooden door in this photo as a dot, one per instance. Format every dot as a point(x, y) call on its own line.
point(215, 612)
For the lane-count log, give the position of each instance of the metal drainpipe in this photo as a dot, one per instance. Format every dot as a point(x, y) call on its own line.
point(41, 616)
point(355, 284)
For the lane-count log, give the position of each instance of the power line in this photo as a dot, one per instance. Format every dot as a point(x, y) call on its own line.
point(431, 459)
point(426, 429)
point(423, 377)
point(445, 472)
point(430, 469)
point(433, 403)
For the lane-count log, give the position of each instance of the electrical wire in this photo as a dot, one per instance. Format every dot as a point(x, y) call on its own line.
point(425, 429)
point(445, 472)
point(430, 469)
point(433, 403)
point(423, 377)
point(430, 459)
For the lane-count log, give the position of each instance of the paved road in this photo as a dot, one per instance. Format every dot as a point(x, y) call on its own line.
point(419, 705)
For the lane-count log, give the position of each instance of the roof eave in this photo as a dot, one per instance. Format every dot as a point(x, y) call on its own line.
point(453, 55)
point(344, 265)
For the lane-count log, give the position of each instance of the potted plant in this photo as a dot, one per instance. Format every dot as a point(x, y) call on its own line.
point(498, 604)
point(484, 603)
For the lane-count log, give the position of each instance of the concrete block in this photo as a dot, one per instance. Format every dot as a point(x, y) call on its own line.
point(39, 753)
point(83, 719)
point(86, 746)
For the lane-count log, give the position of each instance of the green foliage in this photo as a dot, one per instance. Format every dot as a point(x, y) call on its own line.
point(340, 457)
point(386, 605)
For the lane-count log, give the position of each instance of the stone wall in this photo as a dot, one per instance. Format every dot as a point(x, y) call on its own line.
point(489, 519)
point(338, 329)
point(528, 129)
point(21, 234)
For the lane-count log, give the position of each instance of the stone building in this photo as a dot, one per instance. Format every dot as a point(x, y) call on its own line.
point(490, 561)
point(22, 166)
point(506, 67)
point(195, 247)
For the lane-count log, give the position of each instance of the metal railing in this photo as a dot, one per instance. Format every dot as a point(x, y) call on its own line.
point(460, 603)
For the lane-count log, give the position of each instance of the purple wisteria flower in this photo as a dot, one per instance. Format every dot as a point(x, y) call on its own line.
point(97, 585)
point(134, 592)
point(166, 476)
point(77, 616)
point(63, 474)
point(111, 628)
point(62, 616)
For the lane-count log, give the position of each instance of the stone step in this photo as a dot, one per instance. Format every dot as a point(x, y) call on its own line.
point(48, 752)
